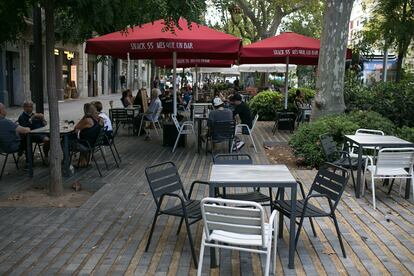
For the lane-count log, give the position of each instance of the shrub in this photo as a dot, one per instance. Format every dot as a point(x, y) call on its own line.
point(305, 141)
point(266, 104)
point(406, 133)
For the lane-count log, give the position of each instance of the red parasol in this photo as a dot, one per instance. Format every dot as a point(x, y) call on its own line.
point(185, 63)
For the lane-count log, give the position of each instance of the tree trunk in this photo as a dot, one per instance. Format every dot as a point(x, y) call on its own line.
point(55, 170)
point(332, 55)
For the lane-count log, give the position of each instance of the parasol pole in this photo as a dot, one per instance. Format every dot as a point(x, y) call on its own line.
point(286, 82)
point(174, 85)
point(128, 77)
point(196, 83)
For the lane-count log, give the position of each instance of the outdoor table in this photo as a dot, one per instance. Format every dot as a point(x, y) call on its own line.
point(273, 176)
point(199, 118)
point(378, 141)
point(64, 133)
point(198, 106)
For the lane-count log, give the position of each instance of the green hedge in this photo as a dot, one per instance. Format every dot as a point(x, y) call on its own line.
point(266, 103)
point(305, 141)
point(406, 133)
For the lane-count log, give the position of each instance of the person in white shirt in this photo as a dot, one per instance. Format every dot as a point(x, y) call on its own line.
point(104, 116)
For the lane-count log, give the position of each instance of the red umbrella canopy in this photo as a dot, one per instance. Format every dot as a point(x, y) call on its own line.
point(300, 49)
point(151, 41)
point(186, 62)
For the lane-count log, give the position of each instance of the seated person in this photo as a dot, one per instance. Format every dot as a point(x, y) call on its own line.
point(243, 111)
point(87, 130)
point(34, 121)
point(218, 114)
point(138, 99)
point(126, 98)
point(104, 117)
point(9, 133)
point(151, 114)
point(167, 102)
point(299, 103)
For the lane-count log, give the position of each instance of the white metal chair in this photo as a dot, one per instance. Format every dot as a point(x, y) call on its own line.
point(239, 130)
point(155, 122)
point(186, 128)
point(231, 227)
point(392, 163)
point(353, 152)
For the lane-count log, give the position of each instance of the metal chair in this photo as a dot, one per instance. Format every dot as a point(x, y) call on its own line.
point(229, 226)
point(239, 130)
point(329, 183)
point(392, 163)
point(241, 159)
point(362, 131)
point(165, 182)
point(92, 149)
point(154, 121)
point(109, 141)
point(121, 116)
point(338, 157)
point(186, 128)
point(221, 131)
point(6, 156)
point(284, 117)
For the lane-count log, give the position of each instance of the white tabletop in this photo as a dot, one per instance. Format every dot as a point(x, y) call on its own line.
point(377, 139)
point(201, 104)
point(251, 174)
point(46, 129)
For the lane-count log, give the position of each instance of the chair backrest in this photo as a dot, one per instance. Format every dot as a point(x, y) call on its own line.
point(158, 114)
point(164, 178)
point(176, 123)
point(331, 181)
point(364, 131)
point(232, 159)
point(118, 115)
point(223, 130)
point(395, 158)
point(234, 216)
point(254, 121)
point(100, 139)
point(329, 146)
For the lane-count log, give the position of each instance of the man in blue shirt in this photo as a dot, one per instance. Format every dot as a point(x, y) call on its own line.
point(9, 132)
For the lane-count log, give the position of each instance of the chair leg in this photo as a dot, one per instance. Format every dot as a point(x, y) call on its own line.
point(200, 261)
point(176, 141)
point(274, 249)
point(155, 127)
point(4, 165)
point(140, 125)
point(152, 229)
point(190, 239)
point(117, 153)
point(251, 138)
point(16, 161)
point(96, 164)
point(373, 191)
point(339, 234)
point(298, 231)
point(268, 255)
point(113, 155)
point(179, 226)
point(313, 226)
point(103, 157)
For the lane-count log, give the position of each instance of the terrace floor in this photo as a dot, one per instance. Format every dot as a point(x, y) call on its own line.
point(107, 234)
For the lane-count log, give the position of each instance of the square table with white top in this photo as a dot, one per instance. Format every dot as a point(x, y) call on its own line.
point(377, 141)
point(270, 176)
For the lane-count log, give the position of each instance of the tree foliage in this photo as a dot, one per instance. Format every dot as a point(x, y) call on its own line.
point(257, 19)
point(12, 14)
point(391, 25)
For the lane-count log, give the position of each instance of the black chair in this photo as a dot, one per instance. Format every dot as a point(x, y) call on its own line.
point(165, 182)
point(241, 159)
point(121, 116)
point(288, 120)
point(109, 141)
point(328, 184)
point(6, 156)
point(221, 131)
point(92, 149)
point(338, 157)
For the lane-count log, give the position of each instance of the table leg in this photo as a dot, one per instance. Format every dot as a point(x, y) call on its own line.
point(66, 165)
point(292, 230)
point(282, 197)
point(29, 154)
point(212, 249)
point(358, 180)
point(407, 188)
